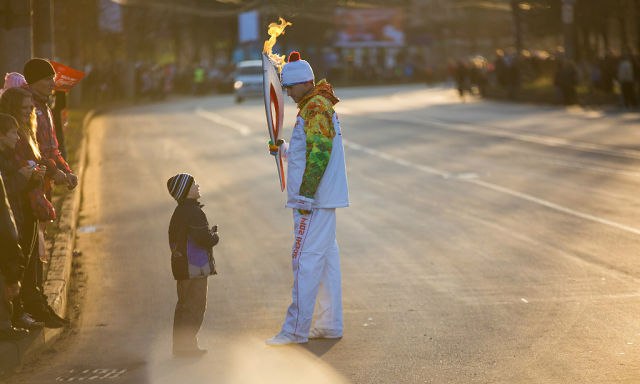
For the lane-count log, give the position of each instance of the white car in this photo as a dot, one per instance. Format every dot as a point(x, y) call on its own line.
point(248, 80)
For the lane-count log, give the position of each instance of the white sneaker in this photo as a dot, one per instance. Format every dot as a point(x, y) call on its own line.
point(321, 333)
point(284, 338)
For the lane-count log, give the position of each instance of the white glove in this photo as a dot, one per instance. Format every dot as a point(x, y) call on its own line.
point(284, 149)
point(303, 203)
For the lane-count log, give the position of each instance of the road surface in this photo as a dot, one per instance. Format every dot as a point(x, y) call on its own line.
point(485, 243)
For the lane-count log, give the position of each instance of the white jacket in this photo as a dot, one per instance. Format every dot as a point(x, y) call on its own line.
point(332, 191)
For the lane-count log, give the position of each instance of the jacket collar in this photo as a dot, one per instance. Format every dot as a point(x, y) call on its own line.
point(322, 88)
point(188, 202)
point(38, 98)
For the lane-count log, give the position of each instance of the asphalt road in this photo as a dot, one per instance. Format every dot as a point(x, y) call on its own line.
point(485, 243)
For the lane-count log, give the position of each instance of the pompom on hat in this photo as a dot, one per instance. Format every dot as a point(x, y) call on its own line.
point(296, 71)
point(179, 185)
point(37, 69)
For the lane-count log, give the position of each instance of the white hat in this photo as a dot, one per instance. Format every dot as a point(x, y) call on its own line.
point(296, 71)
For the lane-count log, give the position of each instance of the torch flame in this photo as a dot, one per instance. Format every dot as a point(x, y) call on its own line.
point(274, 30)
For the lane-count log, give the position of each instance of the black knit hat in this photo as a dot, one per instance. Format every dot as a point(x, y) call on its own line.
point(37, 69)
point(179, 185)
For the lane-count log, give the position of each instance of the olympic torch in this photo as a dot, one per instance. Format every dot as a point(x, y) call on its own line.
point(273, 96)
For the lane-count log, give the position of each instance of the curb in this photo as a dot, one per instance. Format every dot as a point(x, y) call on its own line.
point(13, 355)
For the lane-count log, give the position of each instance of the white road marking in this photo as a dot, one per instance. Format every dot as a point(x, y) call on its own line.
point(549, 141)
point(494, 187)
point(245, 131)
point(588, 167)
point(374, 152)
point(554, 206)
point(216, 118)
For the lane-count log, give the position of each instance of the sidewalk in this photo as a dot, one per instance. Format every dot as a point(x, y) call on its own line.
point(13, 355)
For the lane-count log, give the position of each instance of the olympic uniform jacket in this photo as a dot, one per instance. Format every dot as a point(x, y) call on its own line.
point(191, 242)
point(316, 172)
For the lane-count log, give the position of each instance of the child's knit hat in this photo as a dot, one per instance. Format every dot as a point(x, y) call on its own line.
point(179, 185)
point(13, 80)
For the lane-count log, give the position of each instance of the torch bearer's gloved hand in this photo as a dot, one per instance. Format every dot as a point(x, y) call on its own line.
point(303, 203)
point(274, 148)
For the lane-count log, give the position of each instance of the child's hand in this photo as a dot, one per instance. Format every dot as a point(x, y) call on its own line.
point(214, 234)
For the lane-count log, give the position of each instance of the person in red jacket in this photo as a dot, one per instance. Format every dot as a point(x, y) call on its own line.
point(40, 77)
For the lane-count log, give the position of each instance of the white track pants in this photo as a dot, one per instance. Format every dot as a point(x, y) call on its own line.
point(316, 274)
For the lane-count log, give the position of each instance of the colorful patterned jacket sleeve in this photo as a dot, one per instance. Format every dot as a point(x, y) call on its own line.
point(320, 132)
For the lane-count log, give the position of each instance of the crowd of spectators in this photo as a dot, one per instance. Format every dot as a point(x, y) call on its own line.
point(611, 77)
point(149, 80)
point(31, 163)
point(153, 81)
point(506, 74)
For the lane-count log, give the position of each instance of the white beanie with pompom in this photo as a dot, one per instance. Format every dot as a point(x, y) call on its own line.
point(296, 71)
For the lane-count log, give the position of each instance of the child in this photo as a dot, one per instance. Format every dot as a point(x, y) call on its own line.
point(191, 243)
point(11, 257)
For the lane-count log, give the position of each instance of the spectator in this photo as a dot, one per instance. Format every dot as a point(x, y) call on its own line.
point(566, 80)
point(609, 64)
point(199, 80)
point(40, 82)
point(626, 78)
point(11, 258)
point(12, 80)
point(34, 207)
point(461, 77)
point(500, 68)
point(513, 75)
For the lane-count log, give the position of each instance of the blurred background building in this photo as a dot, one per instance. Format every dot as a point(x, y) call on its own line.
point(146, 48)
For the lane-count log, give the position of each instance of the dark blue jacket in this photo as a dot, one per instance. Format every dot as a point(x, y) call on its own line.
point(191, 242)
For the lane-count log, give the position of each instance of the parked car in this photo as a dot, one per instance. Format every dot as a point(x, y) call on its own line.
point(248, 80)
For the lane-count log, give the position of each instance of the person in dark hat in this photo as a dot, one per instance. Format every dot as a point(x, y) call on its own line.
point(37, 69)
point(40, 77)
point(191, 242)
